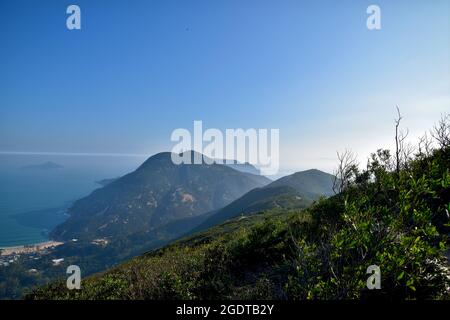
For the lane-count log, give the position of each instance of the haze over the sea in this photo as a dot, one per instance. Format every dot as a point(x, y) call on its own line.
point(38, 197)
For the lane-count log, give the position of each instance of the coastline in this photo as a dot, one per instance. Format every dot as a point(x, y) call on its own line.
point(30, 248)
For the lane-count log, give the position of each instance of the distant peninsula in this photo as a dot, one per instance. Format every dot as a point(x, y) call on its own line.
point(43, 166)
point(105, 182)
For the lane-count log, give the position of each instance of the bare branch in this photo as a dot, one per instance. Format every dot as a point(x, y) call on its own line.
point(397, 140)
point(346, 171)
point(425, 146)
point(441, 131)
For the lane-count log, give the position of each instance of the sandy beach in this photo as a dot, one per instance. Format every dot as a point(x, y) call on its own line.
point(32, 248)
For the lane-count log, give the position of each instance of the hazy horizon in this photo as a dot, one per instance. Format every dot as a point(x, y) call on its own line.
point(136, 72)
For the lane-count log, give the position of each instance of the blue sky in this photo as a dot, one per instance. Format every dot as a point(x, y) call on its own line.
point(137, 70)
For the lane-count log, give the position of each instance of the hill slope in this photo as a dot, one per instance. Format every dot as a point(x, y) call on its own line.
point(310, 183)
point(298, 190)
point(155, 194)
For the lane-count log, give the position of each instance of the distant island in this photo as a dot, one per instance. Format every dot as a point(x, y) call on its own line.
point(43, 166)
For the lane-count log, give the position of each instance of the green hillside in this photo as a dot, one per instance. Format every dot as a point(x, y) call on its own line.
point(297, 190)
point(260, 199)
point(393, 214)
point(311, 183)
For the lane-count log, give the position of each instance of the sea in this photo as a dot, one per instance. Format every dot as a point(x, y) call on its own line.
point(33, 199)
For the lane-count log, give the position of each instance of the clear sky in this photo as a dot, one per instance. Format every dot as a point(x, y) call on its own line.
point(137, 70)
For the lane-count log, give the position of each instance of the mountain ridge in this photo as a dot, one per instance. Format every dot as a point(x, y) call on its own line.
point(154, 194)
point(292, 191)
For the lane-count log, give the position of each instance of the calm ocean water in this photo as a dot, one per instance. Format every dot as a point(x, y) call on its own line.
point(33, 201)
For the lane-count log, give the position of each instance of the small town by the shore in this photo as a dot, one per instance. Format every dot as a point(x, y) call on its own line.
point(11, 254)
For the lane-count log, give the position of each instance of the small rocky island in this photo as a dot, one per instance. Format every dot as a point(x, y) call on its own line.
point(49, 165)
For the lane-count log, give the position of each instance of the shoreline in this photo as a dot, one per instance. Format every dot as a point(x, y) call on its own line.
point(29, 248)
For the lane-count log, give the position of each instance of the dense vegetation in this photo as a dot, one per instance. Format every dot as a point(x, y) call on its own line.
point(393, 214)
